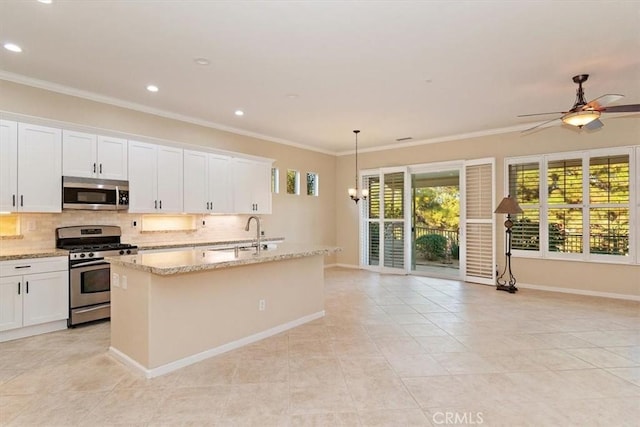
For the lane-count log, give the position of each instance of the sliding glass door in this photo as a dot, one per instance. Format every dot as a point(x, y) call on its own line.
point(384, 222)
point(436, 220)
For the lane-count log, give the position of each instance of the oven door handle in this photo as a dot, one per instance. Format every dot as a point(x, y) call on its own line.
point(88, 263)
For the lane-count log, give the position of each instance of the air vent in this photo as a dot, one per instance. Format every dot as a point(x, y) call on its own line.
point(406, 138)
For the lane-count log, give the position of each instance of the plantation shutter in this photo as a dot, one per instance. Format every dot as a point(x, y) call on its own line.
point(393, 224)
point(479, 252)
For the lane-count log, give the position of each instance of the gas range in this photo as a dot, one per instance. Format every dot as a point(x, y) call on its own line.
point(91, 242)
point(89, 252)
point(89, 273)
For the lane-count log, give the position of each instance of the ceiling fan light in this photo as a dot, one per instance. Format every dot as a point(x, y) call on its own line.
point(581, 118)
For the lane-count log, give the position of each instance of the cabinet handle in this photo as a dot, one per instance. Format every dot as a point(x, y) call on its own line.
point(207, 205)
point(155, 204)
point(160, 204)
point(22, 200)
point(27, 286)
point(100, 168)
point(13, 200)
point(18, 288)
point(211, 205)
point(22, 266)
point(94, 168)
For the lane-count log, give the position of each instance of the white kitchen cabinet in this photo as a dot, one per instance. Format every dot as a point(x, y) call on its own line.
point(10, 303)
point(251, 186)
point(155, 178)
point(33, 292)
point(206, 183)
point(8, 165)
point(94, 156)
point(31, 168)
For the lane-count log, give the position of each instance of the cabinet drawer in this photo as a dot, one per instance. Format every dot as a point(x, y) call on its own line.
point(33, 265)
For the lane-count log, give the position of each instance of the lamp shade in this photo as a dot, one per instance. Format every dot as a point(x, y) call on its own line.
point(508, 205)
point(581, 118)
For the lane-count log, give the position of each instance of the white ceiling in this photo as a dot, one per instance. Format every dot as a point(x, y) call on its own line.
point(394, 69)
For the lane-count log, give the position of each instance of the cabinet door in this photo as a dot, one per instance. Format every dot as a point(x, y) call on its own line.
point(142, 177)
point(112, 158)
point(170, 179)
point(196, 192)
point(8, 166)
point(39, 168)
point(10, 302)
point(262, 187)
point(243, 186)
point(79, 154)
point(45, 297)
point(219, 184)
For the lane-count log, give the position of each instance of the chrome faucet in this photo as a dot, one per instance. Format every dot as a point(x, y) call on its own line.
point(257, 231)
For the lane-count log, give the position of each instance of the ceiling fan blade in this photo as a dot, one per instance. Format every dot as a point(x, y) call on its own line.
point(541, 114)
point(631, 108)
point(593, 125)
point(541, 124)
point(602, 101)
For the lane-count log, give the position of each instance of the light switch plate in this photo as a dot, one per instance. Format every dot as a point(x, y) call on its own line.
point(115, 280)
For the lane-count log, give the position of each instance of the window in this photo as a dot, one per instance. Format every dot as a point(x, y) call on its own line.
point(312, 184)
point(575, 205)
point(275, 180)
point(293, 182)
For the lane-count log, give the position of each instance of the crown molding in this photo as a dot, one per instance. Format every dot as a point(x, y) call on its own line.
point(91, 96)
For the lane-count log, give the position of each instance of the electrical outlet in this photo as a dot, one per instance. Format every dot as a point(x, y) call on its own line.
point(262, 305)
point(115, 280)
point(124, 282)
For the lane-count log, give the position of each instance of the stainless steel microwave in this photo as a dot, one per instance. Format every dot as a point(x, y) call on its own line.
point(94, 194)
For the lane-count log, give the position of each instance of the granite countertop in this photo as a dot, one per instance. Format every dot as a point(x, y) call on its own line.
point(25, 253)
point(167, 245)
point(190, 260)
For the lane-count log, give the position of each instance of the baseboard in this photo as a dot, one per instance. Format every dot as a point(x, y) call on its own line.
point(356, 267)
point(579, 292)
point(190, 360)
point(28, 331)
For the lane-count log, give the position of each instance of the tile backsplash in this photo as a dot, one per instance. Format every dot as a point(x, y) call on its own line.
point(38, 230)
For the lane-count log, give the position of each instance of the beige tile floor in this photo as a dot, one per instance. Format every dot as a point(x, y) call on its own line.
point(392, 350)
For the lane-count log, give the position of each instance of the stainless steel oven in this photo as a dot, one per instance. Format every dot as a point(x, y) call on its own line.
point(89, 273)
point(89, 290)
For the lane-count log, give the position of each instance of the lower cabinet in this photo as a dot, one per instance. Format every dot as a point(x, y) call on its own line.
point(38, 294)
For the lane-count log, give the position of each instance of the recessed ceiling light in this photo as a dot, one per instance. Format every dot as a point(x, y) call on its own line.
point(152, 88)
point(202, 61)
point(12, 47)
point(292, 95)
point(45, 1)
point(239, 113)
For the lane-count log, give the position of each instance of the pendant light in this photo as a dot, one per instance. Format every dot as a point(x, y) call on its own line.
point(355, 193)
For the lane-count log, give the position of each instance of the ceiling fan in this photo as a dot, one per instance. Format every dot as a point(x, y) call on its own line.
point(587, 114)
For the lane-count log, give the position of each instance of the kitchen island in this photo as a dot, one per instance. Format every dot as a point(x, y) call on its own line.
point(172, 309)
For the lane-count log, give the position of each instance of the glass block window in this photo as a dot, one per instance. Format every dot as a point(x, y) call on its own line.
point(293, 182)
point(312, 184)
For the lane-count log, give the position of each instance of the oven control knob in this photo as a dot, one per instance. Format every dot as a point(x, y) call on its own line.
point(90, 254)
point(128, 251)
point(82, 255)
point(121, 252)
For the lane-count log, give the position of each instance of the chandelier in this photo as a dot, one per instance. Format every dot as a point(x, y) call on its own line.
point(355, 193)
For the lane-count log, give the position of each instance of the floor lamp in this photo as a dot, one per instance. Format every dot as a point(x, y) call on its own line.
point(510, 207)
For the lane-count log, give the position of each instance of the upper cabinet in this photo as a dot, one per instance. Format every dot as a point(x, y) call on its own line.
point(155, 178)
point(206, 179)
point(94, 156)
point(30, 168)
point(251, 186)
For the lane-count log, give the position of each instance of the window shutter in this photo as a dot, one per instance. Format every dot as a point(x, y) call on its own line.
point(479, 231)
